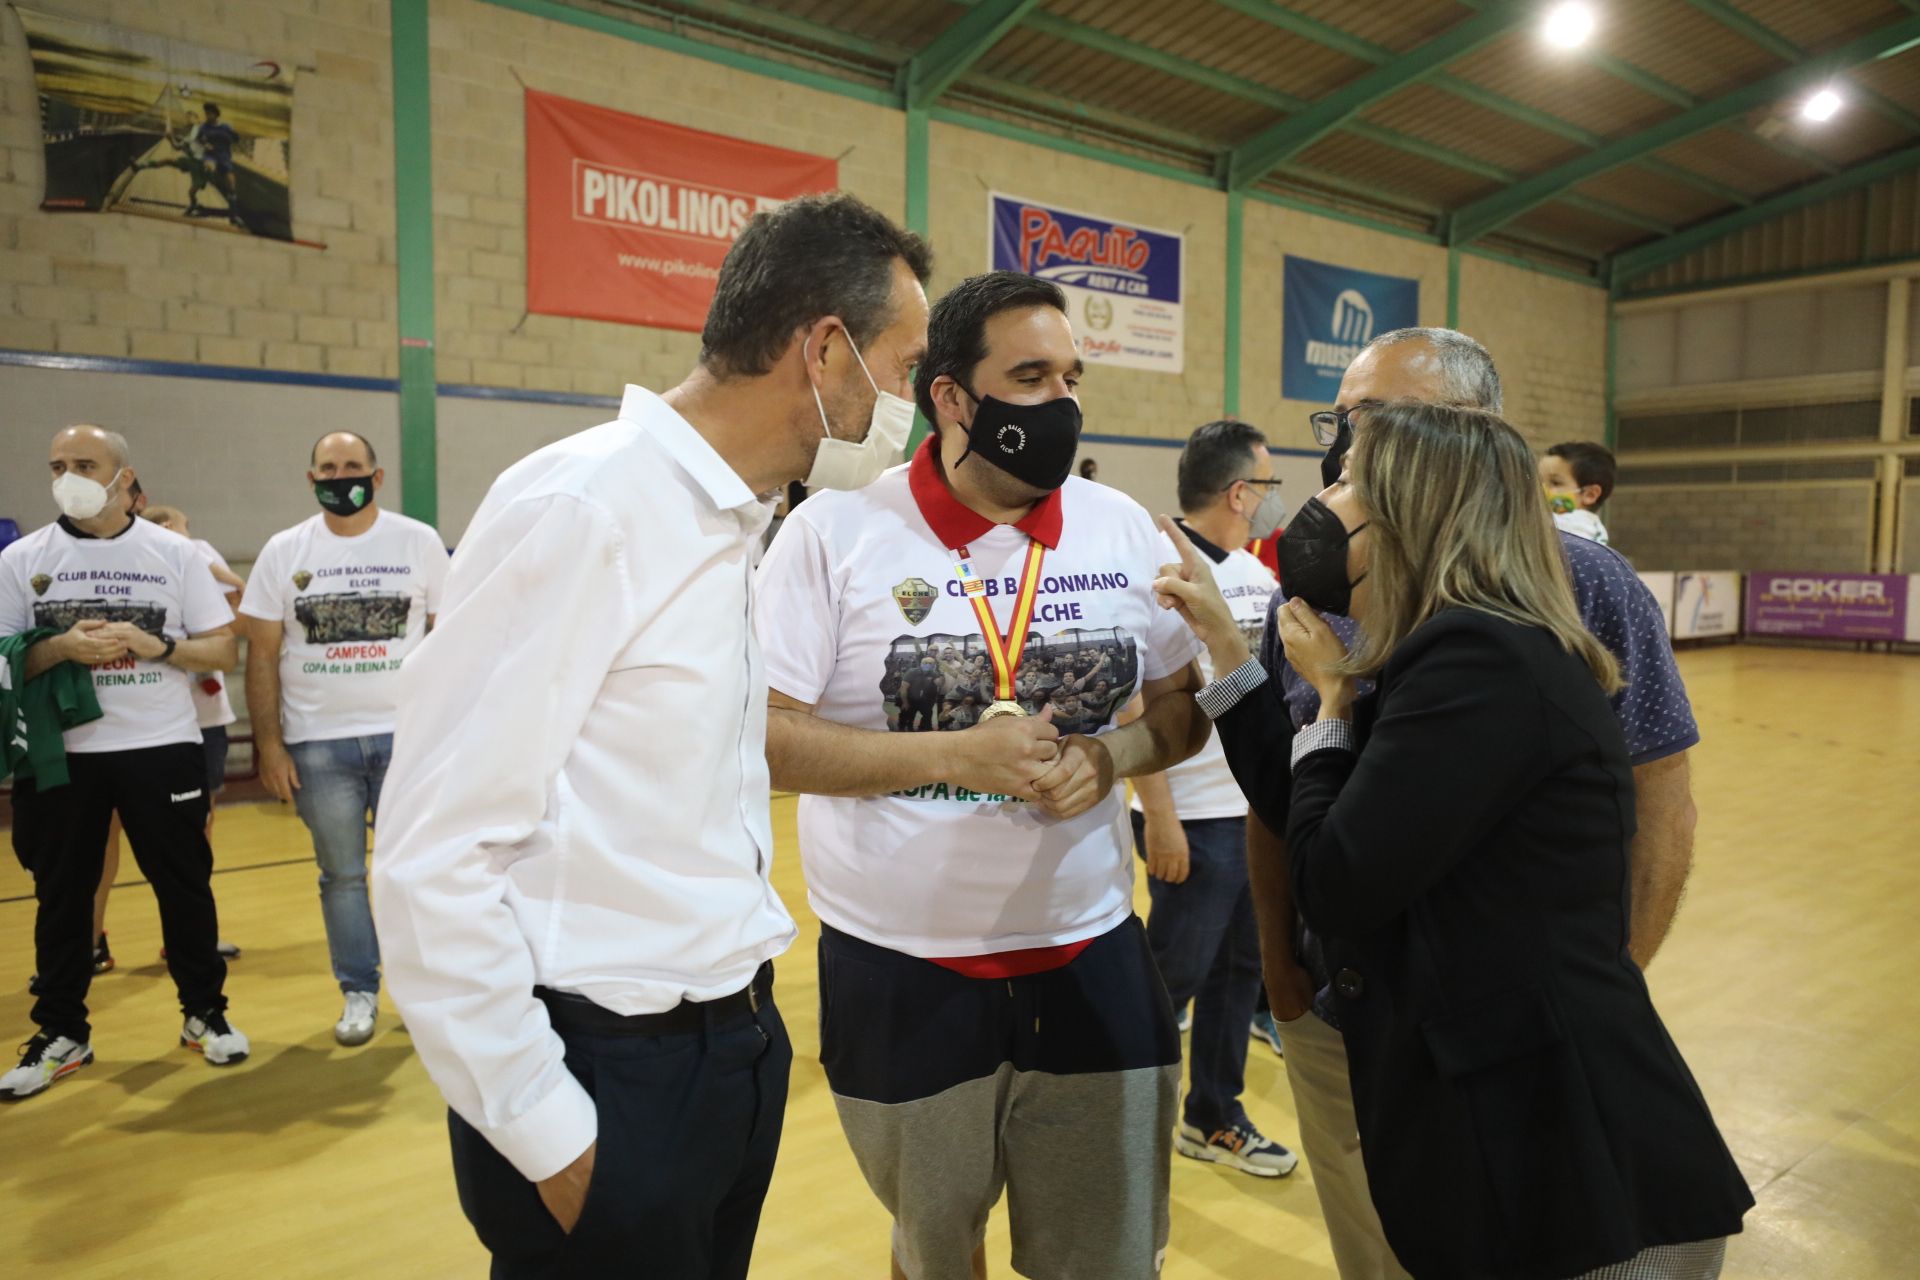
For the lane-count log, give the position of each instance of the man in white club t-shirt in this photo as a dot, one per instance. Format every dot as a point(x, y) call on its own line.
point(334, 606)
point(991, 1016)
point(1190, 822)
point(137, 605)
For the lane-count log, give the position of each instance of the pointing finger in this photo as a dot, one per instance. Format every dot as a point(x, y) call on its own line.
point(1189, 554)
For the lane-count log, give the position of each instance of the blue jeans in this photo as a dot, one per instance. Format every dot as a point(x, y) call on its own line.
point(339, 786)
point(1207, 943)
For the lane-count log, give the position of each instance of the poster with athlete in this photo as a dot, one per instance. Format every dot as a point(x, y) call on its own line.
point(132, 122)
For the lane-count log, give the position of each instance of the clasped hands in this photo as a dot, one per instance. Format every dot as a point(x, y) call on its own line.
point(1026, 757)
point(96, 643)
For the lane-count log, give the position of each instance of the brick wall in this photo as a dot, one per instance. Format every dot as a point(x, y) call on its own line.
point(1549, 337)
point(126, 286)
point(479, 170)
point(112, 285)
point(1270, 234)
point(966, 164)
point(1792, 525)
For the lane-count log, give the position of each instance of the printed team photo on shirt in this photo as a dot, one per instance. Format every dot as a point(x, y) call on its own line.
point(148, 615)
point(348, 616)
point(944, 681)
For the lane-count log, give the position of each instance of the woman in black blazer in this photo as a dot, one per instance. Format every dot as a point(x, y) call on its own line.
point(1459, 839)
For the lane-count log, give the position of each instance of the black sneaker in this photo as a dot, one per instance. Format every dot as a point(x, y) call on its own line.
point(102, 957)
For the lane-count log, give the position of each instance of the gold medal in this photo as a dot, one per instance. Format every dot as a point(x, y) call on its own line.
point(997, 709)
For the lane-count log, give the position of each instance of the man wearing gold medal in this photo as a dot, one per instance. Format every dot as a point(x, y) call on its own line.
point(991, 1016)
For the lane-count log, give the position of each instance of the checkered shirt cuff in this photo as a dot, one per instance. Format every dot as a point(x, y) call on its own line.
point(1322, 735)
point(1223, 695)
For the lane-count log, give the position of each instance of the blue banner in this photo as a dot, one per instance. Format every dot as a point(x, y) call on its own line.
point(1329, 314)
point(1123, 282)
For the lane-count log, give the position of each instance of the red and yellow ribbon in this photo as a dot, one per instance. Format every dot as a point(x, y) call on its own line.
point(1006, 652)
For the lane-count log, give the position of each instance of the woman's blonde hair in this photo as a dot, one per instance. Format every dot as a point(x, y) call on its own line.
point(1458, 519)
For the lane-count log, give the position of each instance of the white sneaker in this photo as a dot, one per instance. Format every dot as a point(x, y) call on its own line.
point(43, 1060)
point(220, 1042)
point(356, 1020)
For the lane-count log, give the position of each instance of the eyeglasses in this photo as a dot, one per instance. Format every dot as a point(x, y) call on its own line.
point(1266, 484)
point(1327, 424)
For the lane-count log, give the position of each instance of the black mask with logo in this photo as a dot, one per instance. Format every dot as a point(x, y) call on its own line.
point(1313, 559)
point(344, 495)
point(1033, 443)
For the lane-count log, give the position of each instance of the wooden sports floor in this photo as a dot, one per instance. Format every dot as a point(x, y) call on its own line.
point(1790, 983)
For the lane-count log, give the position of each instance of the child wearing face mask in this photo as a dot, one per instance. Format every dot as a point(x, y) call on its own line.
point(1579, 478)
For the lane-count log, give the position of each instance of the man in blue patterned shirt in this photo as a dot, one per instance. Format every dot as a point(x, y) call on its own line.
point(1445, 367)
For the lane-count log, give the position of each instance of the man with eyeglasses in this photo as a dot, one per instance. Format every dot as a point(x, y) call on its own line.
point(1256, 710)
point(1190, 822)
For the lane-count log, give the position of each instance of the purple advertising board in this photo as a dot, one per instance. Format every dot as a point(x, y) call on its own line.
point(1827, 606)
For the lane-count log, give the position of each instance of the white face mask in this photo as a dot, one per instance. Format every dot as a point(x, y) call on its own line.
point(848, 464)
point(1269, 515)
point(79, 497)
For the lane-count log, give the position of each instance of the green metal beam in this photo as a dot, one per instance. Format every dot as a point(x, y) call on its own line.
point(764, 19)
point(1281, 201)
point(1321, 33)
point(919, 172)
point(934, 69)
point(1159, 60)
point(607, 25)
point(1274, 146)
point(1453, 287)
point(1070, 146)
point(1485, 215)
point(1527, 264)
point(1266, 96)
point(413, 257)
point(1367, 51)
point(1779, 46)
point(1624, 266)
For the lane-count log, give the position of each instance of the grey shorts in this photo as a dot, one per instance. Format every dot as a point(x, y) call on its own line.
point(1700, 1260)
point(1058, 1088)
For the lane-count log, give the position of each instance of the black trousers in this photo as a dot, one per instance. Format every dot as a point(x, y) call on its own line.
point(689, 1127)
point(60, 835)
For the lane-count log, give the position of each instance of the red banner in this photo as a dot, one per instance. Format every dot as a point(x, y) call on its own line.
point(628, 219)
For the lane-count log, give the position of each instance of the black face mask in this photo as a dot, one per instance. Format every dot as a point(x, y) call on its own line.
point(1336, 454)
point(1313, 559)
point(1033, 443)
point(344, 495)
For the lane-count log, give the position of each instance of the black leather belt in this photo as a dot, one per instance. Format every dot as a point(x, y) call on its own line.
point(576, 1013)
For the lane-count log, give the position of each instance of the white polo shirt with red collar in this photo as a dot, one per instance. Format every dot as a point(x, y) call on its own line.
point(858, 588)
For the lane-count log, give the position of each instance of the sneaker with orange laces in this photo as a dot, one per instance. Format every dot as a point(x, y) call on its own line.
point(1238, 1146)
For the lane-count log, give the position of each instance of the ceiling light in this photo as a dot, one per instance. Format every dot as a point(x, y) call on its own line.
point(1569, 24)
point(1822, 106)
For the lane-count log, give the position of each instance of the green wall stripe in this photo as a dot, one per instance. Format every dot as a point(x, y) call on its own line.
point(413, 250)
point(1236, 249)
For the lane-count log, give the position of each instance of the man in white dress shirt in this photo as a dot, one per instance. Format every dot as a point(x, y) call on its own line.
point(571, 875)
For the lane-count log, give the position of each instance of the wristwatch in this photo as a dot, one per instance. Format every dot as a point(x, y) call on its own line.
point(168, 651)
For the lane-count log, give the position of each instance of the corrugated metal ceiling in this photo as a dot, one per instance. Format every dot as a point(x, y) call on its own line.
point(1224, 71)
